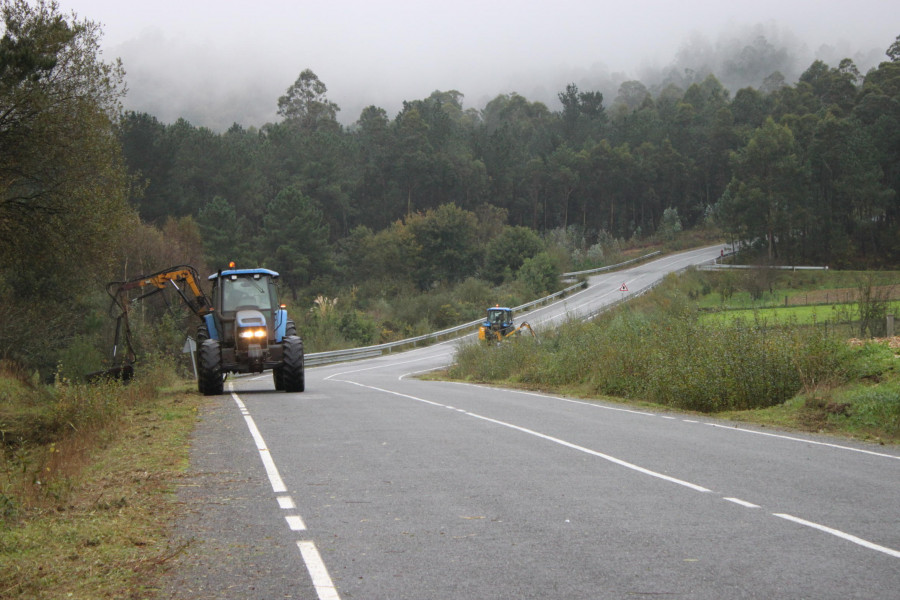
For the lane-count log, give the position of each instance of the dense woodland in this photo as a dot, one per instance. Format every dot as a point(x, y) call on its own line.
point(435, 196)
point(808, 171)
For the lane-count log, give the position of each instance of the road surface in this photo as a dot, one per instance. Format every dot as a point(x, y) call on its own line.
point(374, 484)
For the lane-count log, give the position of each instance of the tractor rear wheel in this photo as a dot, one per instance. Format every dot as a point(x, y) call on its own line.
point(210, 380)
point(292, 376)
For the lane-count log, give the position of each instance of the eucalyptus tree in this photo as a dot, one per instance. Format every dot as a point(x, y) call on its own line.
point(306, 105)
point(583, 114)
point(62, 181)
point(515, 137)
point(375, 187)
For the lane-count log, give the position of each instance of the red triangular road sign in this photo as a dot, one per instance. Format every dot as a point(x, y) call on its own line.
point(624, 288)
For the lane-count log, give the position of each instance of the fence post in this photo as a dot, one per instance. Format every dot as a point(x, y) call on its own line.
point(890, 325)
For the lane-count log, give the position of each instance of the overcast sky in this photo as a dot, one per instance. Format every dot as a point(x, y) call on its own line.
point(227, 61)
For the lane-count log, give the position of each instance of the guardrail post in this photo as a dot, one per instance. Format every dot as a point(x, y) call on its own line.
point(890, 325)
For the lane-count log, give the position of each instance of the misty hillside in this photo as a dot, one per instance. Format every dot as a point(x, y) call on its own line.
point(221, 88)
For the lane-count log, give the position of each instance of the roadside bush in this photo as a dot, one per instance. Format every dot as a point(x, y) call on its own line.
point(666, 354)
point(511, 360)
point(875, 409)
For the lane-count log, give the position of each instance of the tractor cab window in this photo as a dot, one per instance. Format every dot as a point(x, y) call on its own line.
point(245, 292)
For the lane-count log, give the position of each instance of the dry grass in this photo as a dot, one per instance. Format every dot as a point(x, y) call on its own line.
point(88, 514)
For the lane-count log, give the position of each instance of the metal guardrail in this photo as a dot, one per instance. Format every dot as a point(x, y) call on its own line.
point(333, 356)
point(610, 267)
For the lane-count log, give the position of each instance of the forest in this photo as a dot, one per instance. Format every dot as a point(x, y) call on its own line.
point(432, 211)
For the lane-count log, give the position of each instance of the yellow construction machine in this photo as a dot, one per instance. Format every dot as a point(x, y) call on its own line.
point(499, 325)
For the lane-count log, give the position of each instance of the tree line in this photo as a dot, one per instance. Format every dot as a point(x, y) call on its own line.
point(439, 194)
point(808, 172)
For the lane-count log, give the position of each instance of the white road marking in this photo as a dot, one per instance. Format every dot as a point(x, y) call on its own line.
point(295, 523)
point(842, 535)
point(271, 470)
point(743, 503)
point(555, 440)
point(805, 441)
point(317, 571)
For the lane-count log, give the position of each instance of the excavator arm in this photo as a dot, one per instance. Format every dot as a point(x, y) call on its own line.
point(184, 279)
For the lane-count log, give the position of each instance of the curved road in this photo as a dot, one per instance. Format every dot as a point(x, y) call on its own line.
point(375, 485)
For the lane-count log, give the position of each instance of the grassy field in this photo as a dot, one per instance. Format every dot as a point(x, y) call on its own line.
point(86, 509)
point(846, 313)
point(670, 350)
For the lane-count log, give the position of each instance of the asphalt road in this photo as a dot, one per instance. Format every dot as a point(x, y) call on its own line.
point(376, 485)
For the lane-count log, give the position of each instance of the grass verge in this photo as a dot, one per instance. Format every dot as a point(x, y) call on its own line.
point(88, 514)
point(662, 349)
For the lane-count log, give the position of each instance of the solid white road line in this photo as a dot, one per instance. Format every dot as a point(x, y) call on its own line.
point(606, 457)
point(612, 459)
point(271, 470)
point(842, 535)
point(805, 441)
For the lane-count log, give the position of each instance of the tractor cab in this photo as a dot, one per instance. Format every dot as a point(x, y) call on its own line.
point(497, 324)
point(247, 319)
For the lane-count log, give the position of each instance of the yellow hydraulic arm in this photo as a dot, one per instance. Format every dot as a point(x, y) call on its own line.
point(184, 279)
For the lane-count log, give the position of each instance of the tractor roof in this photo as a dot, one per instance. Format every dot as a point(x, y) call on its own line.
point(240, 272)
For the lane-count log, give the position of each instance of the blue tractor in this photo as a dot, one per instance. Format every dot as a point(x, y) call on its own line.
point(243, 327)
point(247, 331)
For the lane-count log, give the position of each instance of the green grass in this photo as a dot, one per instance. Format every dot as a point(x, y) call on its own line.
point(799, 315)
point(740, 289)
point(781, 367)
point(87, 515)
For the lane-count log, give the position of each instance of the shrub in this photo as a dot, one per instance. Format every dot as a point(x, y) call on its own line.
point(667, 355)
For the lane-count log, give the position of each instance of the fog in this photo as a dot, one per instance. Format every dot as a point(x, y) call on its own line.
point(215, 63)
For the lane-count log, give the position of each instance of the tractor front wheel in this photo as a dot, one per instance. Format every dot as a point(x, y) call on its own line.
point(278, 377)
point(292, 376)
point(210, 379)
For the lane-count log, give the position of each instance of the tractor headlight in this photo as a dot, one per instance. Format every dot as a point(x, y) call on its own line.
point(256, 333)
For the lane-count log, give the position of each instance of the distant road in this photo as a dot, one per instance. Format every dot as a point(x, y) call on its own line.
point(373, 484)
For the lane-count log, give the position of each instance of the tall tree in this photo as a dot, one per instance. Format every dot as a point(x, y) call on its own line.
point(294, 238)
point(63, 185)
point(306, 104)
point(764, 199)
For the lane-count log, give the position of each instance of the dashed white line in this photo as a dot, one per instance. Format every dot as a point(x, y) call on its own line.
point(743, 503)
point(317, 571)
point(639, 469)
point(295, 523)
point(555, 440)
